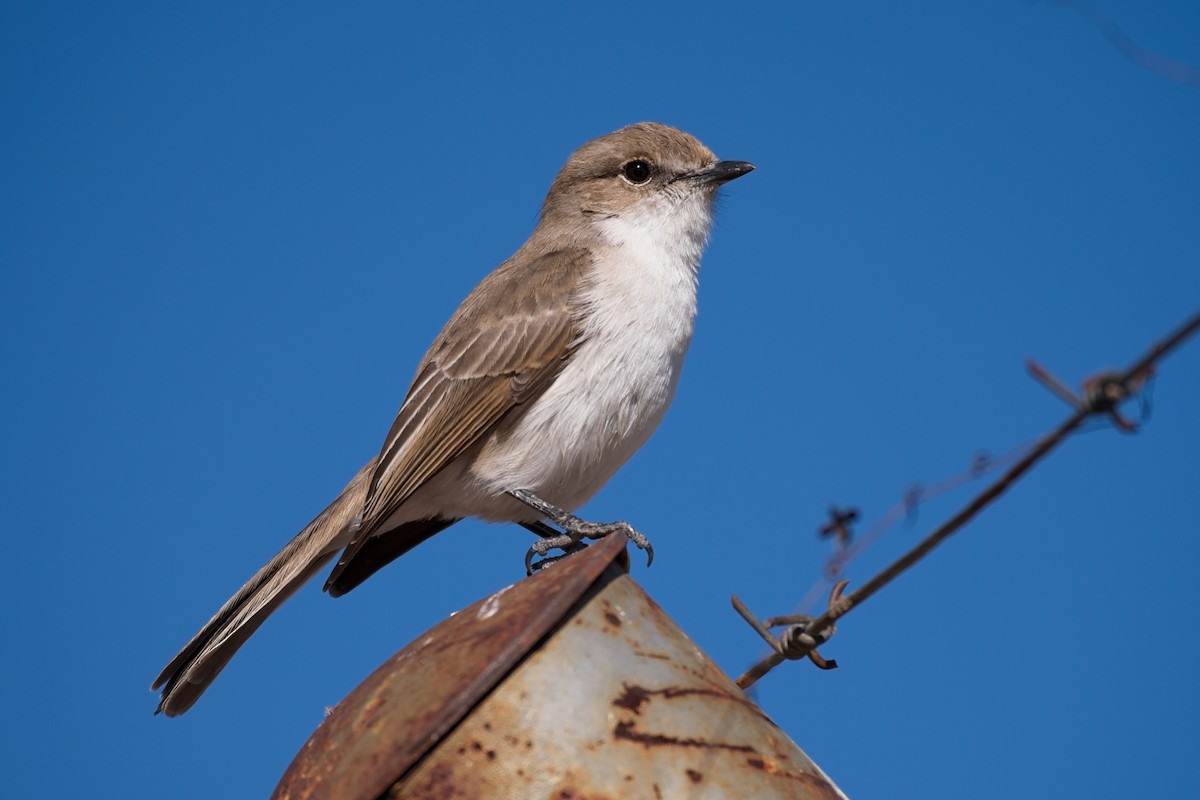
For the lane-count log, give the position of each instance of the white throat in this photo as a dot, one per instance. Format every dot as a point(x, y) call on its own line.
point(669, 229)
point(644, 283)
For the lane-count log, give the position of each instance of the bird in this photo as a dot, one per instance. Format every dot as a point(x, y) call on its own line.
point(553, 371)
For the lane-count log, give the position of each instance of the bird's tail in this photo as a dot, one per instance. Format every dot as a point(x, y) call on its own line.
point(203, 658)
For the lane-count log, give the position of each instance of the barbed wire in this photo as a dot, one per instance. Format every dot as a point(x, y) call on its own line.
point(1101, 396)
point(848, 548)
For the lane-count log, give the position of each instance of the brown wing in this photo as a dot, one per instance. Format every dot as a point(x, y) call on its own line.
point(502, 348)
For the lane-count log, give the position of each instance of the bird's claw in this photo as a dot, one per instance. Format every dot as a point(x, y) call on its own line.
point(575, 530)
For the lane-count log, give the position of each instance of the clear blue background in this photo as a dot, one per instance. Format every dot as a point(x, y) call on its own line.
point(230, 230)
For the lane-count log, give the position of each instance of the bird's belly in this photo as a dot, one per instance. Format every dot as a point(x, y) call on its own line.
point(602, 407)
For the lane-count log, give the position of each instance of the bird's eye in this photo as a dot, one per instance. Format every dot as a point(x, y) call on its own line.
point(636, 172)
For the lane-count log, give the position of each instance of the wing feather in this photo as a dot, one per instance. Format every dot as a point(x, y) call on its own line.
point(502, 348)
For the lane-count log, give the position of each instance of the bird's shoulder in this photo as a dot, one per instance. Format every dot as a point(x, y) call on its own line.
point(523, 315)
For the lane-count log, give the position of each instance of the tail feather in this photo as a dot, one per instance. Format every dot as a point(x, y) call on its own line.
point(201, 660)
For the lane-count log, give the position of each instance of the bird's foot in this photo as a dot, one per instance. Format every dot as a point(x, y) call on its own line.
point(575, 530)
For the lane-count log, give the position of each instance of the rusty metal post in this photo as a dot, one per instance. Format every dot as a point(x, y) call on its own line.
point(570, 684)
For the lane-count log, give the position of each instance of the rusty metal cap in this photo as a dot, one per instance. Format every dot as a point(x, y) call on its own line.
point(570, 684)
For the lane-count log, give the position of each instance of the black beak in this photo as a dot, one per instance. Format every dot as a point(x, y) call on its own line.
point(722, 172)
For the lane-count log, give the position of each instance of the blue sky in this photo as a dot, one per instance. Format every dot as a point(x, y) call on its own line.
point(230, 231)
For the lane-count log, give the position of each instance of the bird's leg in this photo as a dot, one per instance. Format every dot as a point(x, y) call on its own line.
point(575, 530)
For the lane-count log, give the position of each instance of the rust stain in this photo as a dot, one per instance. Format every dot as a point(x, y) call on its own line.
point(634, 697)
point(572, 794)
point(609, 614)
point(813, 782)
point(627, 731)
point(439, 783)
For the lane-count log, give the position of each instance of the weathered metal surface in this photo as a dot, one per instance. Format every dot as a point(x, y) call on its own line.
point(501, 701)
point(617, 703)
point(397, 714)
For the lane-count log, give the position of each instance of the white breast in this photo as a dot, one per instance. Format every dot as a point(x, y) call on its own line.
point(617, 387)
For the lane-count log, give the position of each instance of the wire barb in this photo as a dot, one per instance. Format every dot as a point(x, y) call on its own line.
point(838, 526)
point(1102, 394)
point(800, 640)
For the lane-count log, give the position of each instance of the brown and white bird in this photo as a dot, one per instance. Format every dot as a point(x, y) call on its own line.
point(550, 375)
